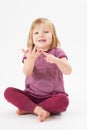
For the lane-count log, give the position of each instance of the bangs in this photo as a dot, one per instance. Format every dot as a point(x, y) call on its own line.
point(38, 22)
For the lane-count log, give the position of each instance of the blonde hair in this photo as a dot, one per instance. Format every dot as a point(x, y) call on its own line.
point(55, 41)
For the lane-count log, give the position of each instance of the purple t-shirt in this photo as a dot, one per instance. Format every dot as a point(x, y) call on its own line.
point(46, 79)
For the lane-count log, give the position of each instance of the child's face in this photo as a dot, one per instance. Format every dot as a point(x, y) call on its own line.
point(42, 36)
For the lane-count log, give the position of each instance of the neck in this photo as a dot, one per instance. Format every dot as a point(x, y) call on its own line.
point(45, 49)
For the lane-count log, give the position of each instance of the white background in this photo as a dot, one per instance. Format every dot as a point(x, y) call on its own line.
point(70, 20)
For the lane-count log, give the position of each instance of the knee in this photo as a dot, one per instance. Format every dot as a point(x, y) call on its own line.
point(64, 101)
point(8, 92)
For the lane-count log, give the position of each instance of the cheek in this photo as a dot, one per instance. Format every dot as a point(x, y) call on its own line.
point(34, 39)
point(50, 39)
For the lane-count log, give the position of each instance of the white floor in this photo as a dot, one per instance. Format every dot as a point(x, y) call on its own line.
point(75, 118)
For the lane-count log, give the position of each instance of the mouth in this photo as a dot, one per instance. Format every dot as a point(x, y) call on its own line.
point(42, 40)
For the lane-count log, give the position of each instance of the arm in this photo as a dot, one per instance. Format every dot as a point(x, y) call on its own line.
point(62, 63)
point(28, 66)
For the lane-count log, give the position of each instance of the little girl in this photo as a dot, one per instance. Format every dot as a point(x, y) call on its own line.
point(44, 65)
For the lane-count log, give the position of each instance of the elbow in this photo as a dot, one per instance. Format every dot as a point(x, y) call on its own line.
point(27, 73)
point(69, 71)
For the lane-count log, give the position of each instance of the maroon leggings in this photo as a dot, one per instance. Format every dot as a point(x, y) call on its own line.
point(22, 100)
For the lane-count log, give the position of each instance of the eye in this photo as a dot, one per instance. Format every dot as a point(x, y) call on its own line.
point(36, 32)
point(46, 31)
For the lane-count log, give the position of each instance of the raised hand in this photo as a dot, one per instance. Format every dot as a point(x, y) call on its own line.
point(32, 54)
point(49, 57)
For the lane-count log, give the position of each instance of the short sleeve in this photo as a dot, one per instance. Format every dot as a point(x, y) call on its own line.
point(24, 57)
point(60, 53)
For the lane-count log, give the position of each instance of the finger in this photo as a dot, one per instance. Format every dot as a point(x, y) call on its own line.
point(35, 49)
point(30, 49)
point(23, 51)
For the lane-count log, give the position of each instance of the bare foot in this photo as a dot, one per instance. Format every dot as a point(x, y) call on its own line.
point(42, 113)
point(21, 112)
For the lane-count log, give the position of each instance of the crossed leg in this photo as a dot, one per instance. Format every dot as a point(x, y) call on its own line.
point(43, 109)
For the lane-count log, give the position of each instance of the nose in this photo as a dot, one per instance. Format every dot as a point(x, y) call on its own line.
point(41, 33)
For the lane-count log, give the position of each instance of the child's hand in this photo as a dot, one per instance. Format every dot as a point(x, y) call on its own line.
point(32, 54)
point(49, 57)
